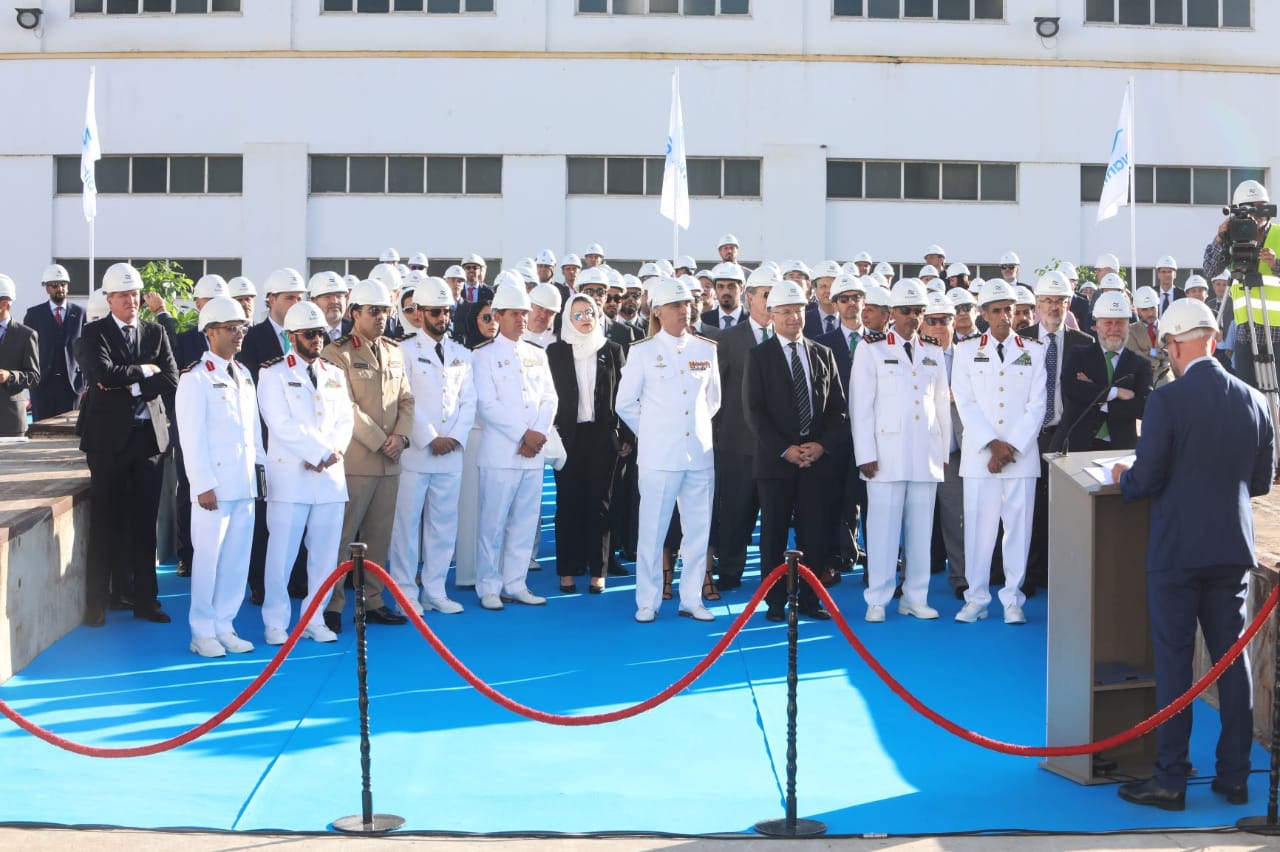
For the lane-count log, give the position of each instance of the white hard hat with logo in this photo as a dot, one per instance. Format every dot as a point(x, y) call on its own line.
point(220, 309)
point(455, 271)
point(241, 287)
point(528, 270)
point(1146, 297)
point(727, 272)
point(647, 270)
point(686, 262)
point(908, 293)
point(862, 257)
point(789, 266)
point(386, 275)
point(350, 280)
point(762, 276)
point(1068, 271)
point(846, 283)
point(786, 292)
point(389, 256)
point(97, 307)
point(511, 297)
point(692, 283)
point(1167, 262)
point(996, 290)
point(594, 248)
point(849, 268)
point(958, 296)
point(121, 278)
point(1024, 296)
point(1010, 258)
point(885, 269)
point(957, 269)
point(546, 295)
point(8, 290)
point(433, 293)
point(592, 275)
point(371, 293)
point(727, 240)
point(940, 304)
point(878, 296)
point(1107, 261)
point(210, 286)
point(414, 279)
point(508, 278)
point(1111, 281)
point(935, 249)
point(975, 285)
point(55, 272)
point(1053, 283)
point(472, 259)
point(419, 259)
point(928, 271)
point(1224, 275)
point(1250, 192)
point(665, 267)
point(1185, 315)
point(1112, 305)
point(667, 291)
point(546, 257)
point(571, 260)
point(1195, 282)
point(303, 316)
point(613, 279)
point(284, 280)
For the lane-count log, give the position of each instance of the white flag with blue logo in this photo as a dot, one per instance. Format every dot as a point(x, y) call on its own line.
point(90, 153)
point(675, 177)
point(1115, 186)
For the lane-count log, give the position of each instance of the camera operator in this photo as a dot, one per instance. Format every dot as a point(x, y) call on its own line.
point(1266, 299)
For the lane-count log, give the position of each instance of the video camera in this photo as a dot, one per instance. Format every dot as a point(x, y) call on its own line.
point(1244, 238)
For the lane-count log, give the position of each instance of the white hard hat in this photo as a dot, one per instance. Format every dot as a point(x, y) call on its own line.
point(786, 292)
point(1146, 297)
point(546, 295)
point(1185, 315)
point(939, 304)
point(647, 270)
point(630, 282)
point(594, 248)
point(571, 260)
point(239, 287)
point(403, 269)
point(350, 280)
point(1088, 285)
point(511, 297)
point(789, 266)
point(1112, 305)
point(546, 257)
point(862, 257)
point(121, 278)
point(1024, 295)
point(928, 271)
point(8, 290)
point(935, 285)
point(908, 293)
point(692, 283)
point(55, 272)
point(433, 293)
point(667, 291)
point(304, 315)
point(1224, 275)
point(957, 269)
point(1010, 258)
point(419, 259)
point(686, 262)
point(413, 280)
point(210, 286)
point(508, 278)
point(1250, 192)
point(1053, 283)
point(704, 273)
point(763, 276)
point(1167, 262)
point(827, 269)
point(772, 266)
point(455, 271)
point(880, 280)
point(727, 272)
point(284, 280)
point(975, 285)
point(665, 267)
point(389, 256)
point(528, 270)
point(613, 278)
point(372, 293)
point(958, 296)
point(472, 258)
point(996, 290)
point(220, 309)
point(884, 268)
point(386, 275)
point(878, 296)
point(1107, 261)
point(727, 240)
point(846, 283)
point(1111, 281)
point(97, 307)
point(1195, 281)
point(1068, 271)
point(935, 249)
point(593, 275)
point(849, 267)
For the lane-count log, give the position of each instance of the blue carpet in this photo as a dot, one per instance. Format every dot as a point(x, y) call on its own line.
point(710, 760)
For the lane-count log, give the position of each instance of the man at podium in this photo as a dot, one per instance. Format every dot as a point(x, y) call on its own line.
point(1207, 446)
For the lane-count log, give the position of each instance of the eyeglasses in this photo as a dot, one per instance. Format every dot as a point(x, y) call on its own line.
point(376, 310)
point(943, 320)
point(1008, 266)
point(910, 312)
point(310, 334)
point(593, 293)
point(579, 316)
point(236, 329)
point(435, 312)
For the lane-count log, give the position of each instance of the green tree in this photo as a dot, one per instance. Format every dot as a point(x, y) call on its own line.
point(166, 278)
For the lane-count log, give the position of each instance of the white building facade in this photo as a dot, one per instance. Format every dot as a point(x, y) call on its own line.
point(244, 135)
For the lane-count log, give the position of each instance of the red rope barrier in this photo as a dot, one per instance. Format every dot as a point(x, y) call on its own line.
point(1142, 728)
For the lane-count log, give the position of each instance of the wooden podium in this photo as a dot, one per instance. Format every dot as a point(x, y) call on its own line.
point(1100, 675)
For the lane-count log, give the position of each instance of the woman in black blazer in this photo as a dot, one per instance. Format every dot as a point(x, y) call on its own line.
point(586, 369)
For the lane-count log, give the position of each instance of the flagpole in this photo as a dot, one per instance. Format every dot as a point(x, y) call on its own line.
point(1133, 192)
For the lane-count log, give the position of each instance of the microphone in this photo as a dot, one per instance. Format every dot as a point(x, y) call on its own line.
point(1116, 381)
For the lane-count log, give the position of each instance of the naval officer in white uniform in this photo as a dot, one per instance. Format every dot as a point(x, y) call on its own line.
point(998, 380)
point(221, 436)
point(444, 399)
point(670, 390)
point(901, 432)
point(307, 409)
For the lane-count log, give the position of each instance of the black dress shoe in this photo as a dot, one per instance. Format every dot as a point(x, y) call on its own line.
point(95, 615)
point(184, 569)
point(152, 613)
point(1150, 792)
point(1029, 590)
point(615, 567)
point(333, 621)
point(297, 593)
point(817, 613)
point(775, 614)
point(629, 555)
point(384, 615)
point(1237, 794)
point(729, 584)
point(120, 603)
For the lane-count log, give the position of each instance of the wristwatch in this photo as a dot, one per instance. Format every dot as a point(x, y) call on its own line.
point(405, 440)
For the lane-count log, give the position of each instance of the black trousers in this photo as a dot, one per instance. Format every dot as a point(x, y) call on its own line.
point(624, 508)
point(853, 514)
point(124, 494)
point(804, 498)
point(739, 504)
point(52, 399)
point(584, 488)
point(1038, 552)
point(182, 509)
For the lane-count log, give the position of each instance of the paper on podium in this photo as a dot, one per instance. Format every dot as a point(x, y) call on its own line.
point(1100, 470)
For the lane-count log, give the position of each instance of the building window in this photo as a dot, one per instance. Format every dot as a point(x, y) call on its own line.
point(690, 8)
point(922, 181)
point(709, 177)
point(155, 175)
point(921, 10)
point(1207, 14)
point(155, 7)
point(193, 268)
point(406, 175)
point(430, 7)
point(1207, 186)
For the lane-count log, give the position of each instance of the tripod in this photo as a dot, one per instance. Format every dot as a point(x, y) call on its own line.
point(1264, 359)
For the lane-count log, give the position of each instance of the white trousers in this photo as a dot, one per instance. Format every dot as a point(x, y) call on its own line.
point(987, 502)
point(899, 511)
point(286, 522)
point(426, 529)
point(660, 492)
point(510, 506)
point(468, 512)
point(221, 540)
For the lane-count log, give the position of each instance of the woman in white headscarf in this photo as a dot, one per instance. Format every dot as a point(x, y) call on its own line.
point(586, 369)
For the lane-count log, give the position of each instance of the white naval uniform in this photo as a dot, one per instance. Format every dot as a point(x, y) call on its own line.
point(670, 390)
point(515, 394)
point(1004, 400)
point(221, 442)
point(902, 421)
point(306, 424)
point(426, 520)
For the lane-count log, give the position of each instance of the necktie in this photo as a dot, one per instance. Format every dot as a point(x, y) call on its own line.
point(284, 343)
point(1051, 386)
point(906, 347)
point(853, 344)
point(1164, 302)
point(57, 315)
point(231, 371)
point(1000, 351)
point(4, 329)
point(440, 352)
point(471, 294)
point(764, 334)
point(1110, 359)
point(1151, 333)
point(128, 339)
point(311, 374)
point(800, 391)
point(831, 323)
point(726, 321)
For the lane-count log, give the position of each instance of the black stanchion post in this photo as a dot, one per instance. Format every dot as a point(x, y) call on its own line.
point(790, 826)
point(1268, 825)
point(366, 822)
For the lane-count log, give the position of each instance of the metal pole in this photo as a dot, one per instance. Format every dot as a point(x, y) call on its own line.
point(790, 826)
point(1268, 825)
point(367, 822)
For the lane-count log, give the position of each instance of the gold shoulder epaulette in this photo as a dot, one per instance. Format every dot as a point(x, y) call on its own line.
point(270, 363)
point(873, 337)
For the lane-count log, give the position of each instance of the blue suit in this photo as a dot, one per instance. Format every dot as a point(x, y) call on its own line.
point(60, 379)
point(1207, 446)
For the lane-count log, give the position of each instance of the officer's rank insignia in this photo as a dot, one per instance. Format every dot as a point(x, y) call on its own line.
point(929, 362)
point(981, 358)
point(1024, 360)
point(699, 365)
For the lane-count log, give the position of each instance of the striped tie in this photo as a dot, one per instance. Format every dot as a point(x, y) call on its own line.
point(800, 391)
point(1051, 368)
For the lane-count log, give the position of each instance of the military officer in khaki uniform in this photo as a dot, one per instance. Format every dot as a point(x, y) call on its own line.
point(383, 409)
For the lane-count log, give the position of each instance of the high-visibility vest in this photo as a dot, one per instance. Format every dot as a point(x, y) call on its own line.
point(1265, 299)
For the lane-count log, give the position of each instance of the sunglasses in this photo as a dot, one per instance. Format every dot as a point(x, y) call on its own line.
point(435, 312)
point(613, 297)
point(579, 316)
point(1008, 266)
point(593, 293)
point(846, 298)
point(938, 321)
point(486, 318)
point(310, 334)
point(910, 312)
point(377, 311)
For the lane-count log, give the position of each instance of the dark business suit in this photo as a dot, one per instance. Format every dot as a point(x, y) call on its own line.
point(736, 497)
point(712, 318)
point(18, 355)
point(125, 463)
point(624, 505)
point(786, 490)
point(584, 486)
point(815, 326)
point(188, 347)
point(847, 548)
point(1206, 447)
point(1082, 309)
point(60, 380)
point(1121, 416)
point(1176, 293)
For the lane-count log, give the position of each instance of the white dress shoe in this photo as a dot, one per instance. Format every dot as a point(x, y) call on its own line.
point(275, 636)
point(444, 605)
point(208, 648)
point(491, 602)
point(320, 633)
point(534, 566)
point(922, 611)
point(234, 643)
point(875, 613)
point(526, 597)
point(1013, 615)
point(644, 615)
point(700, 613)
point(970, 613)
